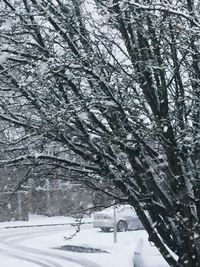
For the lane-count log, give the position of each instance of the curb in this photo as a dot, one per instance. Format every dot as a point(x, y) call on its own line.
point(42, 225)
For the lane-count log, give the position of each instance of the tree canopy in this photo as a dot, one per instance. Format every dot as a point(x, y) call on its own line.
point(108, 94)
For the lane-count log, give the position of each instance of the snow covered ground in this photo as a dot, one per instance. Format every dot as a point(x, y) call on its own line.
point(39, 246)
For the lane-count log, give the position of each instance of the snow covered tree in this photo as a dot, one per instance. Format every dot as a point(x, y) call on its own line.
point(108, 92)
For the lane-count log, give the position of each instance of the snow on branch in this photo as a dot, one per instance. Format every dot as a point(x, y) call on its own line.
point(38, 156)
point(166, 9)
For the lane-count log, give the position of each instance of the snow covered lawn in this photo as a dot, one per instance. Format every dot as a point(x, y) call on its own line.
point(119, 254)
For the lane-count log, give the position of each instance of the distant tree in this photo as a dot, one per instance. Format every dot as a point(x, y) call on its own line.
point(109, 92)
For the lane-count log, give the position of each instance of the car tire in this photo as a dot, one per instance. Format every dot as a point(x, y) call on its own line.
point(105, 229)
point(122, 226)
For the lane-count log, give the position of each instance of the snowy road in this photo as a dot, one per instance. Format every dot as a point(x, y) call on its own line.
point(13, 245)
point(40, 246)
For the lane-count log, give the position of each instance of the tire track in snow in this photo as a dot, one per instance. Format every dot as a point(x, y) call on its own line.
point(12, 241)
point(23, 258)
point(13, 252)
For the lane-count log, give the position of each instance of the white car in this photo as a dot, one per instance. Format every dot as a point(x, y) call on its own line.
point(147, 255)
point(126, 219)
